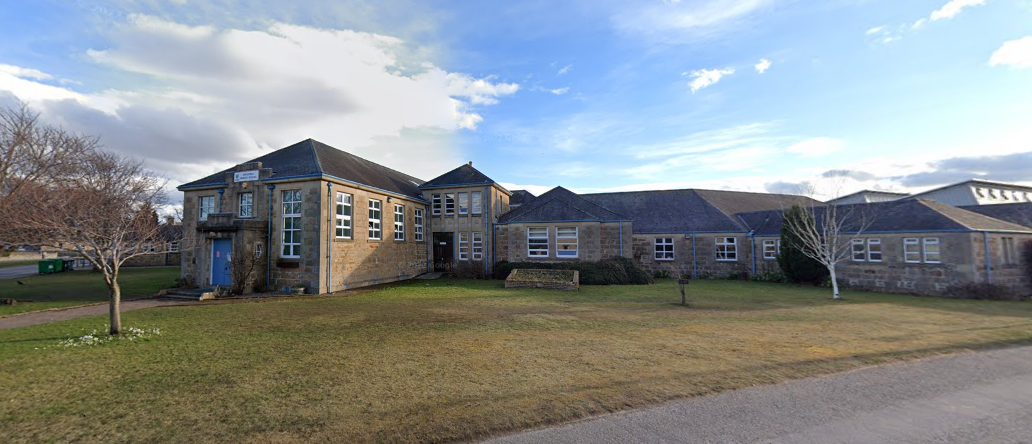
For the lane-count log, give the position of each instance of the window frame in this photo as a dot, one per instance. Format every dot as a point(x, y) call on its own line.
point(1008, 250)
point(870, 251)
point(375, 223)
point(477, 238)
point(343, 227)
point(659, 249)
point(476, 202)
point(418, 221)
point(914, 242)
point(449, 204)
point(925, 242)
point(775, 245)
point(249, 205)
point(730, 254)
point(295, 223)
point(858, 255)
point(576, 242)
point(463, 203)
point(399, 225)
point(464, 246)
point(535, 253)
point(435, 204)
point(202, 215)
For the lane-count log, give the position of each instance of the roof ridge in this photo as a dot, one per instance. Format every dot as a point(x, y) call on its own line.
point(315, 154)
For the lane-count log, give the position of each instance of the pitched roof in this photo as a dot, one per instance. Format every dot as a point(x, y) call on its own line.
point(910, 215)
point(463, 175)
point(973, 182)
point(311, 158)
point(520, 197)
point(559, 204)
point(1015, 213)
point(891, 195)
point(691, 210)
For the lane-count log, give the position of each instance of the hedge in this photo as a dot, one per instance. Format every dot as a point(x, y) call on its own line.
point(613, 271)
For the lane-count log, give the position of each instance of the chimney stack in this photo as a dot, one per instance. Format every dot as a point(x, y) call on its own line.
point(471, 163)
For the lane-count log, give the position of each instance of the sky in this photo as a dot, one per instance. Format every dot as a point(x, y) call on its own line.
point(592, 95)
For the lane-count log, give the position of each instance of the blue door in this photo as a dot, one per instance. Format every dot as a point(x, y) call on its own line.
point(220, 257)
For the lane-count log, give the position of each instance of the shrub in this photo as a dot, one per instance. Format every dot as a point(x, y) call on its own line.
point(660, 274)
point(981, 290)
point(469, 270)
point(796, 266)
point(613, 271)
point(770, 276)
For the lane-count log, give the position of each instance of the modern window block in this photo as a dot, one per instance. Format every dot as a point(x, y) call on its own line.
point(664, 247)
point(918, 250)
point(343, 216)
point(727, 249)
point(291, 239)
point(537, 242)
point(246, 205)
point(399, 222)
point(435, 201)
point(566, 242)
point(867, 250)
point(449, 204)
point(375, 214)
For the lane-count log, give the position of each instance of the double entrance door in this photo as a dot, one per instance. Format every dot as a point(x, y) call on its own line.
point(444, 251)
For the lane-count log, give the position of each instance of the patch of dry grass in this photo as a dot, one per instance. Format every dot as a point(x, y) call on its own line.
point(449, 360)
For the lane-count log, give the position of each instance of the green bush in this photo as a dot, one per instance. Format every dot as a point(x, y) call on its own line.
point(660, 274)
point(613, 271)
point(797, 267)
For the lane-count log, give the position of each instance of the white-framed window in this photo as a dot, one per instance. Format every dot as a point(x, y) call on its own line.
point(874, 252)
point(399, 222)
point(478, 246)
point(257, 251)
point(771, 248)
point(727, 249)
point(931, 250)
point(449, 204)
point(463, 246)
point(912, 250)
point(1009, 255)
point(173, 247)
point(418, 218)
point(291, 223)
point(463, 203)
point(246, 205)
point(344, 211)
point(435, 201)
point(478, 202)
point(537, 242)
point(566, 242)
point(664, 249)
point(859, 250)
point(375, 213)
point(205, 206)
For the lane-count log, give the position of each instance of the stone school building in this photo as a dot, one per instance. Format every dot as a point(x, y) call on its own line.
point(314, 216)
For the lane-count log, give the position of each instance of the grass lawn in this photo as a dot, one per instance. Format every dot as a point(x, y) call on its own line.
point(432, 361)
point(80, 287)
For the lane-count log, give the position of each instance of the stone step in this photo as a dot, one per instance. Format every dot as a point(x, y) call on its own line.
point(196, 294)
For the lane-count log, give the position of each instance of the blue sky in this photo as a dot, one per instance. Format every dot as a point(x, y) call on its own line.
point(757, 95)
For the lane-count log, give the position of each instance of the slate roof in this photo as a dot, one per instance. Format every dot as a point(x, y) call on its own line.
point(313, 158)
point(691, 210)
point(889, 194)
point(463, 175)
point(911, 215)
point(520, 197)
point(1015, 213)
point(559, 205)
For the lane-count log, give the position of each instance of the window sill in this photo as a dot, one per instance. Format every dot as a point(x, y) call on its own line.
point(727, 260)
point(342, 239)
point(665, 260)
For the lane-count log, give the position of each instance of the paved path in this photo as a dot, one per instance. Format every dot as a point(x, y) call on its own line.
point(983, 397)
point(18, 271)
point(43, 317)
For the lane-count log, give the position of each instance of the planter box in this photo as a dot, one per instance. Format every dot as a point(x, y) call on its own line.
point(549, 279)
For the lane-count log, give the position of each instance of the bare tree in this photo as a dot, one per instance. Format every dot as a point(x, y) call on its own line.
point(825, 233)
point(104, 211)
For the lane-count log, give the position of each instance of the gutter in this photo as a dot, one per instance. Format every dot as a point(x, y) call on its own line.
point(575, 220)
point(752, 245)
point(484, 212)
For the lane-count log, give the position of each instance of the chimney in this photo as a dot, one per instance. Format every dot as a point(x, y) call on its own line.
point(471, 163)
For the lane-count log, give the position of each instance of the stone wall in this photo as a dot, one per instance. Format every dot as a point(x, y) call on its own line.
point(495, 203)
point(702, 261)
point(595, 241)
point(154, 260)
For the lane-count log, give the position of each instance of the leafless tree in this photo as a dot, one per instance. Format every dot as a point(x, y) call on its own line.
point(104, 211)
point(243, 270)
point(825, 234)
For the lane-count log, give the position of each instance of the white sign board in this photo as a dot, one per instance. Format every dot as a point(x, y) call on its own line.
point(245, 176)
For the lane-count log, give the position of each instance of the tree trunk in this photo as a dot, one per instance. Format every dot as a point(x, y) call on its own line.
point(115, 306)
point(834, 283)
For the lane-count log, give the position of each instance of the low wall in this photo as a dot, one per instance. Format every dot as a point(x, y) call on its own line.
point(153, 260)
point(547, 279)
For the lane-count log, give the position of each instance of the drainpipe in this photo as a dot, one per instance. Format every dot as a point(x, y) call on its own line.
point(329, 237)
point(988, 258)
point(695, 267)
point(483, 237)
point(268, 243)
point(427, 232)
point(752, 245)
point(221, 192)
point(621, 238)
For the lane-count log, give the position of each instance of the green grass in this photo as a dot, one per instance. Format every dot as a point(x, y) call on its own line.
point(17, 263)
point(80, 287)
point(434, 361)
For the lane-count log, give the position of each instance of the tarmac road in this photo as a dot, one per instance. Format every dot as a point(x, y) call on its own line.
point(978, 397)
point(19, 271)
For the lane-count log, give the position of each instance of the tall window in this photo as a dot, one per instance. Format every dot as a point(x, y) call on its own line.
point(291, 223)
point(399, 222)
point(727, 249)
point(537, 241)
point(205, 206)
point(449, 204)
point(771, 248)
point(478, 202)
point(931, 250)
point(375, 212)
point(859, 250)
point(1009, 257)
point(418, 216)
point(566, 242)
point(463, 203)
point(912, 250)
point(874, 253)
point(463, 246)
point(246, 207)
point(664, 249)
point(478, 246)
point(343, 216)
point(436, 204)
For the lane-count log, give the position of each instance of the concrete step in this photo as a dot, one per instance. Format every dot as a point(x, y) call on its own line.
point(193, 294)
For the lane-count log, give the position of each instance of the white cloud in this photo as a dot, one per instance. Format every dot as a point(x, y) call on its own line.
point(564, 70)
point(226, 95)
point(24, 73)
point(1014, 53)
point(706, 77)
point(875, 30)
point(919, 24)
point(954, 7)
point(559, 91)
point(676, 22)
point(818, 146)
point(762, 66)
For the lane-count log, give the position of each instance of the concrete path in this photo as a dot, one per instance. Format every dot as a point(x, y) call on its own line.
point(983, 397)
point(18, 271)
point(43, 317)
